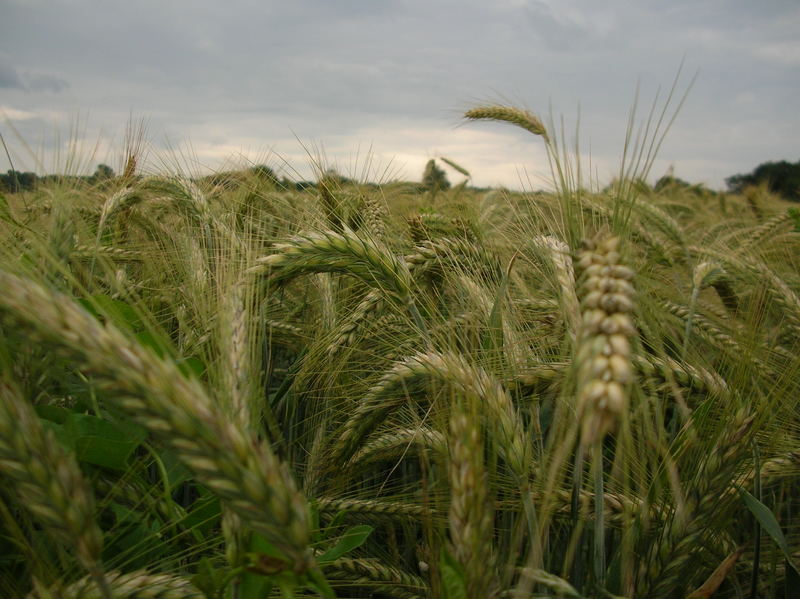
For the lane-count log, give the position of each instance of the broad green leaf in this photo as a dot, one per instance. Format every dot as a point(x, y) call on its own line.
point(177, 473)
point(152, 342)
point(208, 578)
point(117, 311)
point(792, 581)
point(254, 586)
point(260, 545)
point(58, 432)
point(55, 414)
point(314, 524)
point(100, 442)
point(768, 522)
point(140, 540)
point(454, 584)
point(351, 539)
point(204, 515)
point(191, 367)
point(319, 583)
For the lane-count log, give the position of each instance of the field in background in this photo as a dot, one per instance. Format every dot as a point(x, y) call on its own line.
point(222, 387)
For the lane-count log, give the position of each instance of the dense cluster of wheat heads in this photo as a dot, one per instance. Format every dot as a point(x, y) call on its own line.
point(215, 387)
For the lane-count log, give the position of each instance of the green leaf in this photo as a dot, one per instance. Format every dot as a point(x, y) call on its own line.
point(454, 584)
point(494, 335)
point(314, 524)
point(118, 312)
point(55, 414)
point(151, 342)
point(204, 516)
point(60, 435)
point(792, 581)
point(353, 538)
point(177, 473)
point(100, 442)
point(319, 583)
point(768, 522)
point(134, 536)
point(191, 367)
point(254, 586)
point(260, 545)
point(208, 578)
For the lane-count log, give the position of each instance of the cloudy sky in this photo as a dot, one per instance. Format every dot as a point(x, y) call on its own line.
point(375, 88)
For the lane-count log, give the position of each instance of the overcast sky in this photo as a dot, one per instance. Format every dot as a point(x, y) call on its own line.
point(226, 82)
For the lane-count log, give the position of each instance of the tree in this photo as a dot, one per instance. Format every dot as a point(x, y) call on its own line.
point(433, 178)
point(670, 181)
point(266, 173)
point(16, 181)
point(103, 172)
point(782, 178)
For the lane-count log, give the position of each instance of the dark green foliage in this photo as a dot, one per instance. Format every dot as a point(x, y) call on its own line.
point(782, 178)
point(15, 181)
point(433, 178)
point(103, 172)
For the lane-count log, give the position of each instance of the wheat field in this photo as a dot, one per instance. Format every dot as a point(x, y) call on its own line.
point(220, 387)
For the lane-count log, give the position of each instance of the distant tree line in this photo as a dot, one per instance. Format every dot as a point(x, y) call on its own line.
point(782, 178)
point(15, 181)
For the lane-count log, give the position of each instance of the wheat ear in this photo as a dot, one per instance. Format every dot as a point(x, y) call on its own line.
point(447, 369)
point(603, 357)
point(665, 570)
point(389, 445)
point(134, 585)
point(334, 252)
point(509, 114)
point(565, 275)
point(372, 508)
point(176, 409)
point(470, 516)
point(346, 253)
point(371, 572)
point(757, 234)
point(121, 199)
point(48, 481)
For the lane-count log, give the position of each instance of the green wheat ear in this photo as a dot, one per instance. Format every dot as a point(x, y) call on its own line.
point(515, 116)
point(48, 481)
point(241, 470)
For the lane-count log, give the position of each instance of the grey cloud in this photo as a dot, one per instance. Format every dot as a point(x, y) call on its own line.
point(46, 83)
point(13, 78)
point(331, 70)
point(9, 77)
